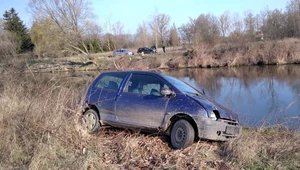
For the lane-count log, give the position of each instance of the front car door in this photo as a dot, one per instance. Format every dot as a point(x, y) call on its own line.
point(141, 104)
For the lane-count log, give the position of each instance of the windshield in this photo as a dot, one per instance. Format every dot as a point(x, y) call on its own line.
point(180, 85)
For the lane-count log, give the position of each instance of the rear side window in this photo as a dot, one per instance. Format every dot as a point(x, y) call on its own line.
point(145, 85)
point(111, 81)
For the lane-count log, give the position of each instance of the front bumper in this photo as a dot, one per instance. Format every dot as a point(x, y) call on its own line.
point(218, 130)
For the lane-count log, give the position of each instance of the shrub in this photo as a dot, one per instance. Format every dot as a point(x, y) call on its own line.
point(8, 45)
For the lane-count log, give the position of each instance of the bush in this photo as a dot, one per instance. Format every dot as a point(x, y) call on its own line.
point(8, 45)
point(267, 148)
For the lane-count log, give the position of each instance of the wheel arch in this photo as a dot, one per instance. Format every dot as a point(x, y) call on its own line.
point(90, 106)
point(185, 116)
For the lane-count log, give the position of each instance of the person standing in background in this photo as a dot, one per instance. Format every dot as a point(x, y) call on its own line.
point(163, 47)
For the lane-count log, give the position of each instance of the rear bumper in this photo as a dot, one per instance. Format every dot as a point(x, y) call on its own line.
point(219, 130)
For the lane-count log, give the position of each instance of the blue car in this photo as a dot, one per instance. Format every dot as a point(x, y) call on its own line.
point(159, 103)
point(122, 52)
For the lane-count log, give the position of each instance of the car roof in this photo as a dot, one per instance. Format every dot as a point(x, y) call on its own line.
point(122, 49)
point(135, 71)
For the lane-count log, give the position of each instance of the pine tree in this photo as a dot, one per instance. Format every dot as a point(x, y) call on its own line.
point(13, 23)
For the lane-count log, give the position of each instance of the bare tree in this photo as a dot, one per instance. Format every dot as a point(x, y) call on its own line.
point(160, 26)
point(118, 28)
point(274, 25)
point(238, 23)
point(293, 18)
point(119, 35)
point(108, 37)
point(71, 16)
point(225, 23)
point(174, 38)
point(237, 28)
point(94, 30)
point(194, 31)
point(207, 29)
point(249, 22)
point(258, 22)
point(142, 35)
point(93, 38)
point(186, 33)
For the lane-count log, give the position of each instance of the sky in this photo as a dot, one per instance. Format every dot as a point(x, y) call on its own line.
point(133, 12)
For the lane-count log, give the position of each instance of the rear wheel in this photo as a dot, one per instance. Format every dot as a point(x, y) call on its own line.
point(182, 134)
point(90, 121)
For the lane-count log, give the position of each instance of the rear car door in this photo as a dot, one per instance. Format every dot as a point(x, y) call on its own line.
point(141, 104)
point(104, 93)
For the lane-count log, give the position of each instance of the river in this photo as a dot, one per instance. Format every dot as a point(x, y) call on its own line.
point(262, 96)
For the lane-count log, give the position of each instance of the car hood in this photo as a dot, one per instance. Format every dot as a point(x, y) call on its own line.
point(210, 105)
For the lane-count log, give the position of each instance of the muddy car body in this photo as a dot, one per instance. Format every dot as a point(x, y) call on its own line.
point(153, 101)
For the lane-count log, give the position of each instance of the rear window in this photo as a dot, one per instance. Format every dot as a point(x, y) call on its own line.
point(111, 81)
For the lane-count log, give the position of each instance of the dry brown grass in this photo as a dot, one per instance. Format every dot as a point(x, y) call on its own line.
point(40, 129)
point(272, 148)
point(253, 53)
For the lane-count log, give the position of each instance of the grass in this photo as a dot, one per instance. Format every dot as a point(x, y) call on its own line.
point(40, 129)
point(269, 148)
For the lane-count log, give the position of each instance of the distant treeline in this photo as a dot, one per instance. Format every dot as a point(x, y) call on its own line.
point(69, 27)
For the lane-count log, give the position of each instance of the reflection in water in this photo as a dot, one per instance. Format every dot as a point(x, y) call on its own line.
point(262, 96)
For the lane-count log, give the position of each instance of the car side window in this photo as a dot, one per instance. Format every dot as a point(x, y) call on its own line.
point(145, 85)
point(110, 81)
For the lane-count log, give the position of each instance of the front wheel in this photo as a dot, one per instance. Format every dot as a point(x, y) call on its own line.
point(90, 121)
point(182, 134)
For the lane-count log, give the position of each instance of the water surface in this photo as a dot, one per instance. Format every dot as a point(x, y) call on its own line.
point(262, 96)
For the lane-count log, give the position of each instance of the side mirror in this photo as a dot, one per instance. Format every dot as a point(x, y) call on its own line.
point(167, 92)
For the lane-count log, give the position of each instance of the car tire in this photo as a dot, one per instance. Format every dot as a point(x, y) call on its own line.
point(182, 134)
point(90, 121)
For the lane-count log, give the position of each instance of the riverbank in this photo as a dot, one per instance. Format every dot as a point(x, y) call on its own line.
point(279, 52)
point(40, 129)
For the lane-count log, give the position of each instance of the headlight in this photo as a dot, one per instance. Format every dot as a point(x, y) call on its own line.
point(213, 116)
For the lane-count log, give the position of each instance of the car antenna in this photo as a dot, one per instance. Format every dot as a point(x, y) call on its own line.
point(203, 91)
